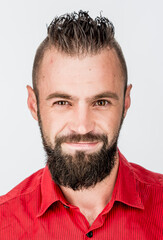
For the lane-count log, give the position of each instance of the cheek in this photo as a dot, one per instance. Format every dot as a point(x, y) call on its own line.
point(52, 123)
point(110, 121)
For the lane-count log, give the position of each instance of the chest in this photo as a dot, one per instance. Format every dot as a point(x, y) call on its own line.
point(120, 223)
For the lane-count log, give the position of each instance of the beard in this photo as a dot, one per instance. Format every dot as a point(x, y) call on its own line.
point(80, 170)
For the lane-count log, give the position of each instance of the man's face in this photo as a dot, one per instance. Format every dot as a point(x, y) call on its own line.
point(81, 105)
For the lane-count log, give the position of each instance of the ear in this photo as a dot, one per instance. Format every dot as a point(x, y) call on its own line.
point(32, 102)
point(127, 102)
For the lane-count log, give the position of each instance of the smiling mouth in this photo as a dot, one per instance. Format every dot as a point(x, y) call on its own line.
point(82, 146)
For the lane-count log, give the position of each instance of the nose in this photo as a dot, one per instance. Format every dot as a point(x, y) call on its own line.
point(82, 121)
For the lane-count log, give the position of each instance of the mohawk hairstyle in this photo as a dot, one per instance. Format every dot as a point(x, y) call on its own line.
point(78, 34)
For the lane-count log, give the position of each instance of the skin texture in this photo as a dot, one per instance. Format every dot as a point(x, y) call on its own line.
point(80, 95)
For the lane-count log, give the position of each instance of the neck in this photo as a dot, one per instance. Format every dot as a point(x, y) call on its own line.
point(93, 200)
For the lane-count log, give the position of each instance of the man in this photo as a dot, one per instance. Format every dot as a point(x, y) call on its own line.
point(80, 98)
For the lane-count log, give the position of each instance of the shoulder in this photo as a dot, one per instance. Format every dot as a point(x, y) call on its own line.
point(148, 185)
point(147, 177)
point(141, 174)
point(26, 187)
point(17, 205)
point(150, 189)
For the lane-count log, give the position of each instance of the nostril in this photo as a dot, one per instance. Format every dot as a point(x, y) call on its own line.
point(82, 128)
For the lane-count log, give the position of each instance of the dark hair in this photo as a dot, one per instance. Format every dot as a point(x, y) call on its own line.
point(78, 34)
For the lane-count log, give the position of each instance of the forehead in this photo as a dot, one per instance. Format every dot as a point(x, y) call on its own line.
point(60, 72)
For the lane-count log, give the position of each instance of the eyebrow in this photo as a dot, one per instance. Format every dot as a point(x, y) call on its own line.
point(59, 95)
point(69, 97)
point(106, 95)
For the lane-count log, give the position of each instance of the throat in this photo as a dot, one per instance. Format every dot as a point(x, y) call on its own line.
point(91, 215)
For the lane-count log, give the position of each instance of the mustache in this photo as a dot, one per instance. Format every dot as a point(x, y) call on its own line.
point(89, 137)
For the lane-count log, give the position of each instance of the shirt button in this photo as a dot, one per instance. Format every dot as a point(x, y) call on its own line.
point(66, 206)
point(90, 234)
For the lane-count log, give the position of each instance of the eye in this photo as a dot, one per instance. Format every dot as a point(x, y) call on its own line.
point(61, 103)
point(101, 103)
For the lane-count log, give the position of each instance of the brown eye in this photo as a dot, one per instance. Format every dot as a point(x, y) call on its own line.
point(62, 103)
point(101, 103)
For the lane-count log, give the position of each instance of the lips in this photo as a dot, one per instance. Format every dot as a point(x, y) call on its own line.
point(82, 146)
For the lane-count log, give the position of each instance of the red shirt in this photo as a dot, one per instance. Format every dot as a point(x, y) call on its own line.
point(36, 209)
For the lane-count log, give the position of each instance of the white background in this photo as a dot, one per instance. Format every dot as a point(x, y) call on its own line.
point(139, 30)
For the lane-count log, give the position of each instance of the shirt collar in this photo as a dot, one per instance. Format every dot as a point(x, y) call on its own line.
point(125, 189)
point(50, 192)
